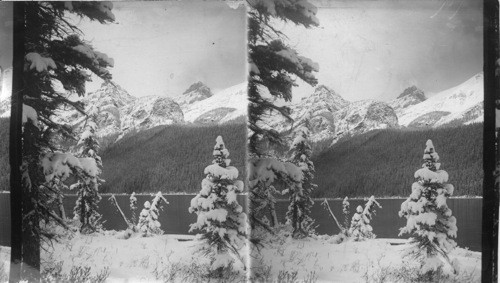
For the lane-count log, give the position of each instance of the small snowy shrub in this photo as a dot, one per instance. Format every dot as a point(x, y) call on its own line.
point(148, 219)
point(221, 220)
point(429, 220)
point(78, 274)
point(360, 224)
point(133, 209)
point(346, 212)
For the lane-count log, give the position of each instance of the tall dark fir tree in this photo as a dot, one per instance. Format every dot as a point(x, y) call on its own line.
point(274, 68)
point(54, 54)
point(301, 202)
point(87, 186)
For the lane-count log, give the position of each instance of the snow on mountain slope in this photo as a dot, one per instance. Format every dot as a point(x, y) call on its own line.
point(329, 116)
point(461, 103)
point(151, 111)
point(224, 106)
point(119, 112)
point(475, 114)
point(316, 110)
point(5, 92)
point(363, 116)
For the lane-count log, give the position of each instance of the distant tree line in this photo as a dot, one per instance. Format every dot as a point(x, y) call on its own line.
point(382, 162)
point(168, 158)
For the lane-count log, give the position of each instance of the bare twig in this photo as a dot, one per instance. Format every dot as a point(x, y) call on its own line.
point(113, 200)
point(327, 207)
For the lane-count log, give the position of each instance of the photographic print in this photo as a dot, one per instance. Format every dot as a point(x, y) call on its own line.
point(368, 165)
point(133, 142)
point(248, 141)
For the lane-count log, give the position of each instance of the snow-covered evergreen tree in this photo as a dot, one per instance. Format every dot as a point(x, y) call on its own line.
point(57, 186)
point(299, 210)
point(51, 53)
point(148, 218)
point(87, 187)
point(274, 66)
point(265, 173)
point(360, 224)
point(429, 220)
point(133, 208)
point(346, 212)
point(221, 220)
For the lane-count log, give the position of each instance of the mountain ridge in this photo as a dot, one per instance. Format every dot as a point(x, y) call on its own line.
point(331, 117)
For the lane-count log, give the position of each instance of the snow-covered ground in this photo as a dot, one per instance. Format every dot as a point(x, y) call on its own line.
point(376, 260)
point(172, 258)
point(4, 263)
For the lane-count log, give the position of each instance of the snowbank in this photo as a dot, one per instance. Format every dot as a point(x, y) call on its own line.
point(157, 258)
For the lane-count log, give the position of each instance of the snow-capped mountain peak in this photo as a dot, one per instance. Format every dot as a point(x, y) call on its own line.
point(196, 92)
point(410, 96)
point(330, 116)
point(5, 92)
point(326, 96)
point(413, 91)
point(462, 104)
point(363, 116)
point(224, 106)
point(119, 112)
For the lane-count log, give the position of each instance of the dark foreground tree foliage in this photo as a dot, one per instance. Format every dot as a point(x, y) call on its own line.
point(57, 62)
point(274, 68)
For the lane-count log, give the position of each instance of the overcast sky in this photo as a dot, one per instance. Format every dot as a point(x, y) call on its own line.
point(5, 34)
point(375, 49)
point(162, 47)
point(366, 49)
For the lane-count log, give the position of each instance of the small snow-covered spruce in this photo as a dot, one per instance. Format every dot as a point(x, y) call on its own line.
point(88, 184)
point(346, 212)
point(221, 220)
point(360, 224)
point(57, 167)
point(299, 210)
point(56, 185)
point(429, 220)
point(264, 173)
point(133, 208)
point(148, 219)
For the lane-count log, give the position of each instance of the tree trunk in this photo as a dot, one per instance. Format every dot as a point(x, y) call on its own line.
point(30, 267)
point(62, 213)
point(83, 224)
point(112, 198)
point(327, 207)
point(15, 148)
point(294, 220)
point(272, 211)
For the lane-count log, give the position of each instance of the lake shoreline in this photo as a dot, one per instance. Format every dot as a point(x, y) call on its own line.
point(279, 198)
